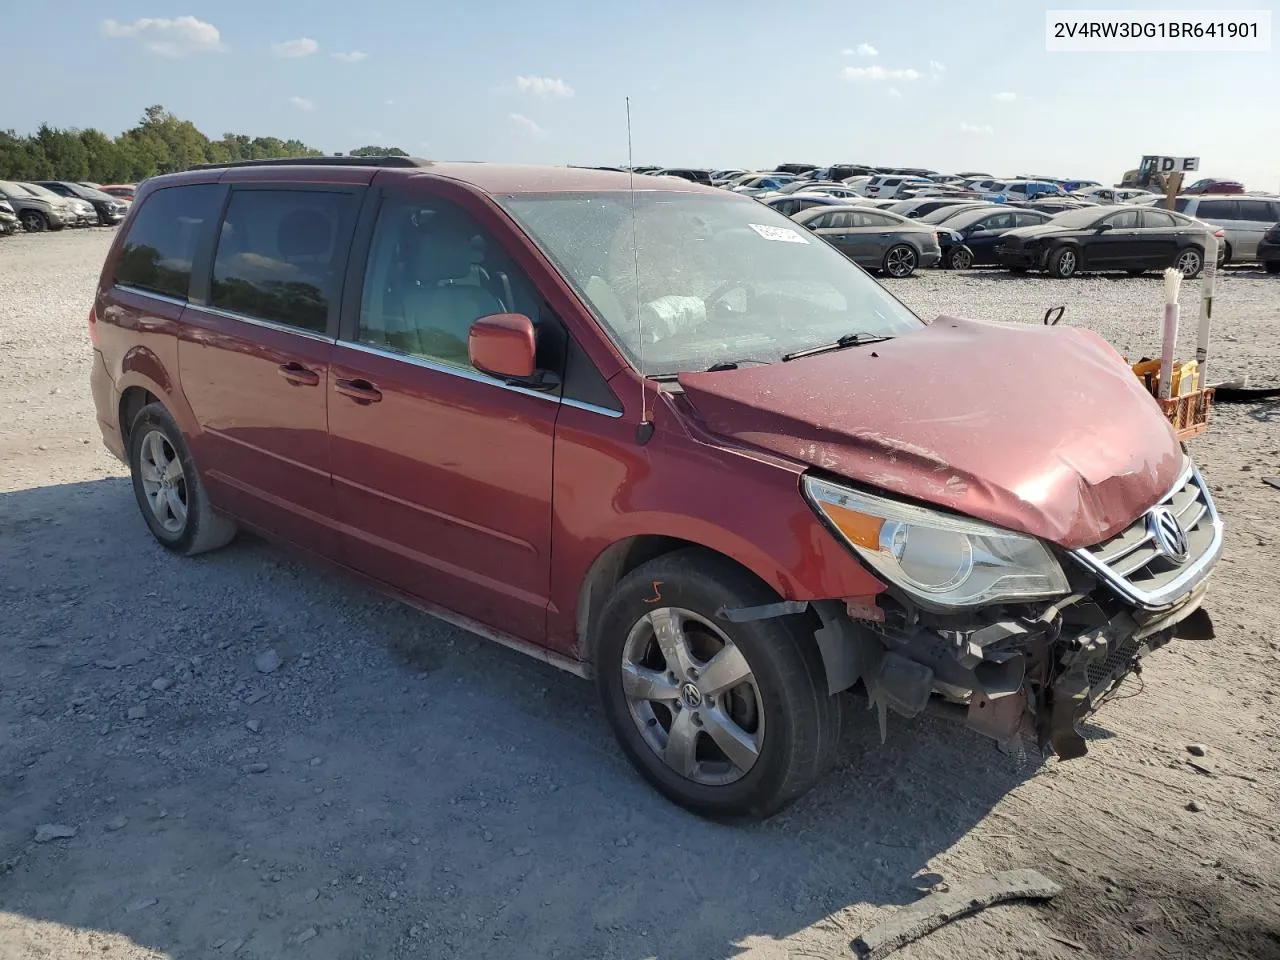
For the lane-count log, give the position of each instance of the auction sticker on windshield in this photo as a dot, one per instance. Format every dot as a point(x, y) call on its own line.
point(784, 234)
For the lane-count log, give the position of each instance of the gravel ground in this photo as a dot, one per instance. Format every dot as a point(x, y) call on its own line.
point(397, 788)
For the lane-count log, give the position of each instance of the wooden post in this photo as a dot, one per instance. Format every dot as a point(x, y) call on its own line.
point(1173, 186)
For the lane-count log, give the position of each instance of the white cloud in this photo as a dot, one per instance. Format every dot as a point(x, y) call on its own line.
point(937, 67)
point(983, 128)
point(1006, 97)
point(895, 92)
point(168, 38)
point(861, 50)
point(878, 73)
point(527, 126)
point(291, 49)
point(303, 104)
point(351, 56)
point(544, 86)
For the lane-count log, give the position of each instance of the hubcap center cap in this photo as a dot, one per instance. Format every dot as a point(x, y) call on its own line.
point(691, 695)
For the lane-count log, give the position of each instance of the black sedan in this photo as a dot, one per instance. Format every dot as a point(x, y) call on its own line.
point(918, 207)
point(1129, 238)
point(875, 239)
point(970, 238)
point(1269, 250)
point(110, 210)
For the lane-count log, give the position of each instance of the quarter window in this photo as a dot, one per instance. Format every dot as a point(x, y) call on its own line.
point(432, 272)
point(158, 250)
point(280, 255)
point(1257, 210)
point(1158, 218)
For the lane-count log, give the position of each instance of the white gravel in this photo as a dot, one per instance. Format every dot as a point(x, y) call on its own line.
point(470, 802)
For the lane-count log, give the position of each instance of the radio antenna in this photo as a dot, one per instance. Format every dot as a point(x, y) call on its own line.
point(645, 430)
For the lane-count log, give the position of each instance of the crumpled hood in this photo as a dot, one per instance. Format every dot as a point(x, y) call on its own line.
point(1039, 429)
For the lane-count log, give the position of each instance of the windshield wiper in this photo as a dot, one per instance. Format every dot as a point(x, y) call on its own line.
point(848, 340)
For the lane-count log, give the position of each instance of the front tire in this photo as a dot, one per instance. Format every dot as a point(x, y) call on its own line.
point(729, 720)
point(959, 259)
point(168, 488)
point(1190, 262)
point(1063, 263)
point(33, 221)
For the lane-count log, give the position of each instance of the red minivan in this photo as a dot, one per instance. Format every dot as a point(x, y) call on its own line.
point(650, 432)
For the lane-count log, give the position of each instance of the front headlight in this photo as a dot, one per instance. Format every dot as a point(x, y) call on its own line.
point(937, 558)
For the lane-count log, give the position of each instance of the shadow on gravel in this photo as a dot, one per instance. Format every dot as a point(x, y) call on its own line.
point(395, 787)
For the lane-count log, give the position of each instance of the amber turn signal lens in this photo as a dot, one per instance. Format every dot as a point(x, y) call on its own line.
point(857, 527)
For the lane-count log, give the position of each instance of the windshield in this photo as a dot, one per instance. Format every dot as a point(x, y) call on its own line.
point(720, 278)
point(14, 189)
point(43, 193)
point(951, 210)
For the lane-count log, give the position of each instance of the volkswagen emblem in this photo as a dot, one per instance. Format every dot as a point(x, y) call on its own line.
point(1167, 532)
point(691, 696)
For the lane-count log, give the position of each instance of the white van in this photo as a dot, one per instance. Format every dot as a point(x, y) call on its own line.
point(1244, 219)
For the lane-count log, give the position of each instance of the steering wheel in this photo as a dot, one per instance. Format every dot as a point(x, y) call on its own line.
point(726, 288)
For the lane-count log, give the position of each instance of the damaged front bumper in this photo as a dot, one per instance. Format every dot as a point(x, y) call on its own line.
point(1025, 671)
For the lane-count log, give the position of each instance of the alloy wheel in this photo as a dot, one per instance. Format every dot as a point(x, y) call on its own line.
point(1189, 263)
point(692, 696)
point(1066, 263)
point(961, 260)
point(163, 482)
point(900, 261)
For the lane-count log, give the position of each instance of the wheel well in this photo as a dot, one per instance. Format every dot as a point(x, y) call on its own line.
point(614, 563)
point(131, 401)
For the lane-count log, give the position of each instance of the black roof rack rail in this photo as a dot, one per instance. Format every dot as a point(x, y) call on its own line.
point(320, 162)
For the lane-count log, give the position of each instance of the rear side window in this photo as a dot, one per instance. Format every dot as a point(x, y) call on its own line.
point(1257, 210)
point(161, 243)
point(281, 255)
point(1217, 210)
point(1158, 218)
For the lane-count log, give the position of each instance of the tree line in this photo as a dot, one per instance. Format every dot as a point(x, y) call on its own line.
point(160, 143)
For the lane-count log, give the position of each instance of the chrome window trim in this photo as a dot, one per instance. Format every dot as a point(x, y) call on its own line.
point(162, 297)
point(259, 322)
point(473, 375)
point(1172, 593)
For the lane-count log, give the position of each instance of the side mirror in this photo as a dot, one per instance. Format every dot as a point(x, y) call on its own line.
point(503, 345)
point(1103, 227)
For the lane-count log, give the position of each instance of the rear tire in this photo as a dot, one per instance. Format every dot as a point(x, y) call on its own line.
point(900, 261)
point(1063, 263)
point(677, 682)
point(1272, 266)
point(168, 489)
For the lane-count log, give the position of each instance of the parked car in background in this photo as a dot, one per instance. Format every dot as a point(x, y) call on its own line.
point(1135, 239)
point(80, 212)
point(943, 214)
point(721, 177)
point(1070, 186)
point(970, 238)
point(893, 187)
point(1053, 204)
point(1269, 250)
point(789, 204)
point(919, 206)
point(687, 173)
point(762, 183)
point(35, 212)
point(875, 239)
point(1243, 219)
point(123, 191)
point(108, 209)
point(1210, 185)
point(1111, 194)
point(9, 222)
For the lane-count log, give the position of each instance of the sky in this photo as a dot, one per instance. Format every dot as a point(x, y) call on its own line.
point(747, 85)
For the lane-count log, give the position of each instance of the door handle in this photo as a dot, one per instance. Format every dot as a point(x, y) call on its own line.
point(359, 390)
point(298, 375)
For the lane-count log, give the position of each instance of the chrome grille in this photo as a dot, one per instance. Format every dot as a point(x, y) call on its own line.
point(1135, 567)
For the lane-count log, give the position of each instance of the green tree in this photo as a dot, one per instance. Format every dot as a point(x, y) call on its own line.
point(160, 143)
point(377, 152)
